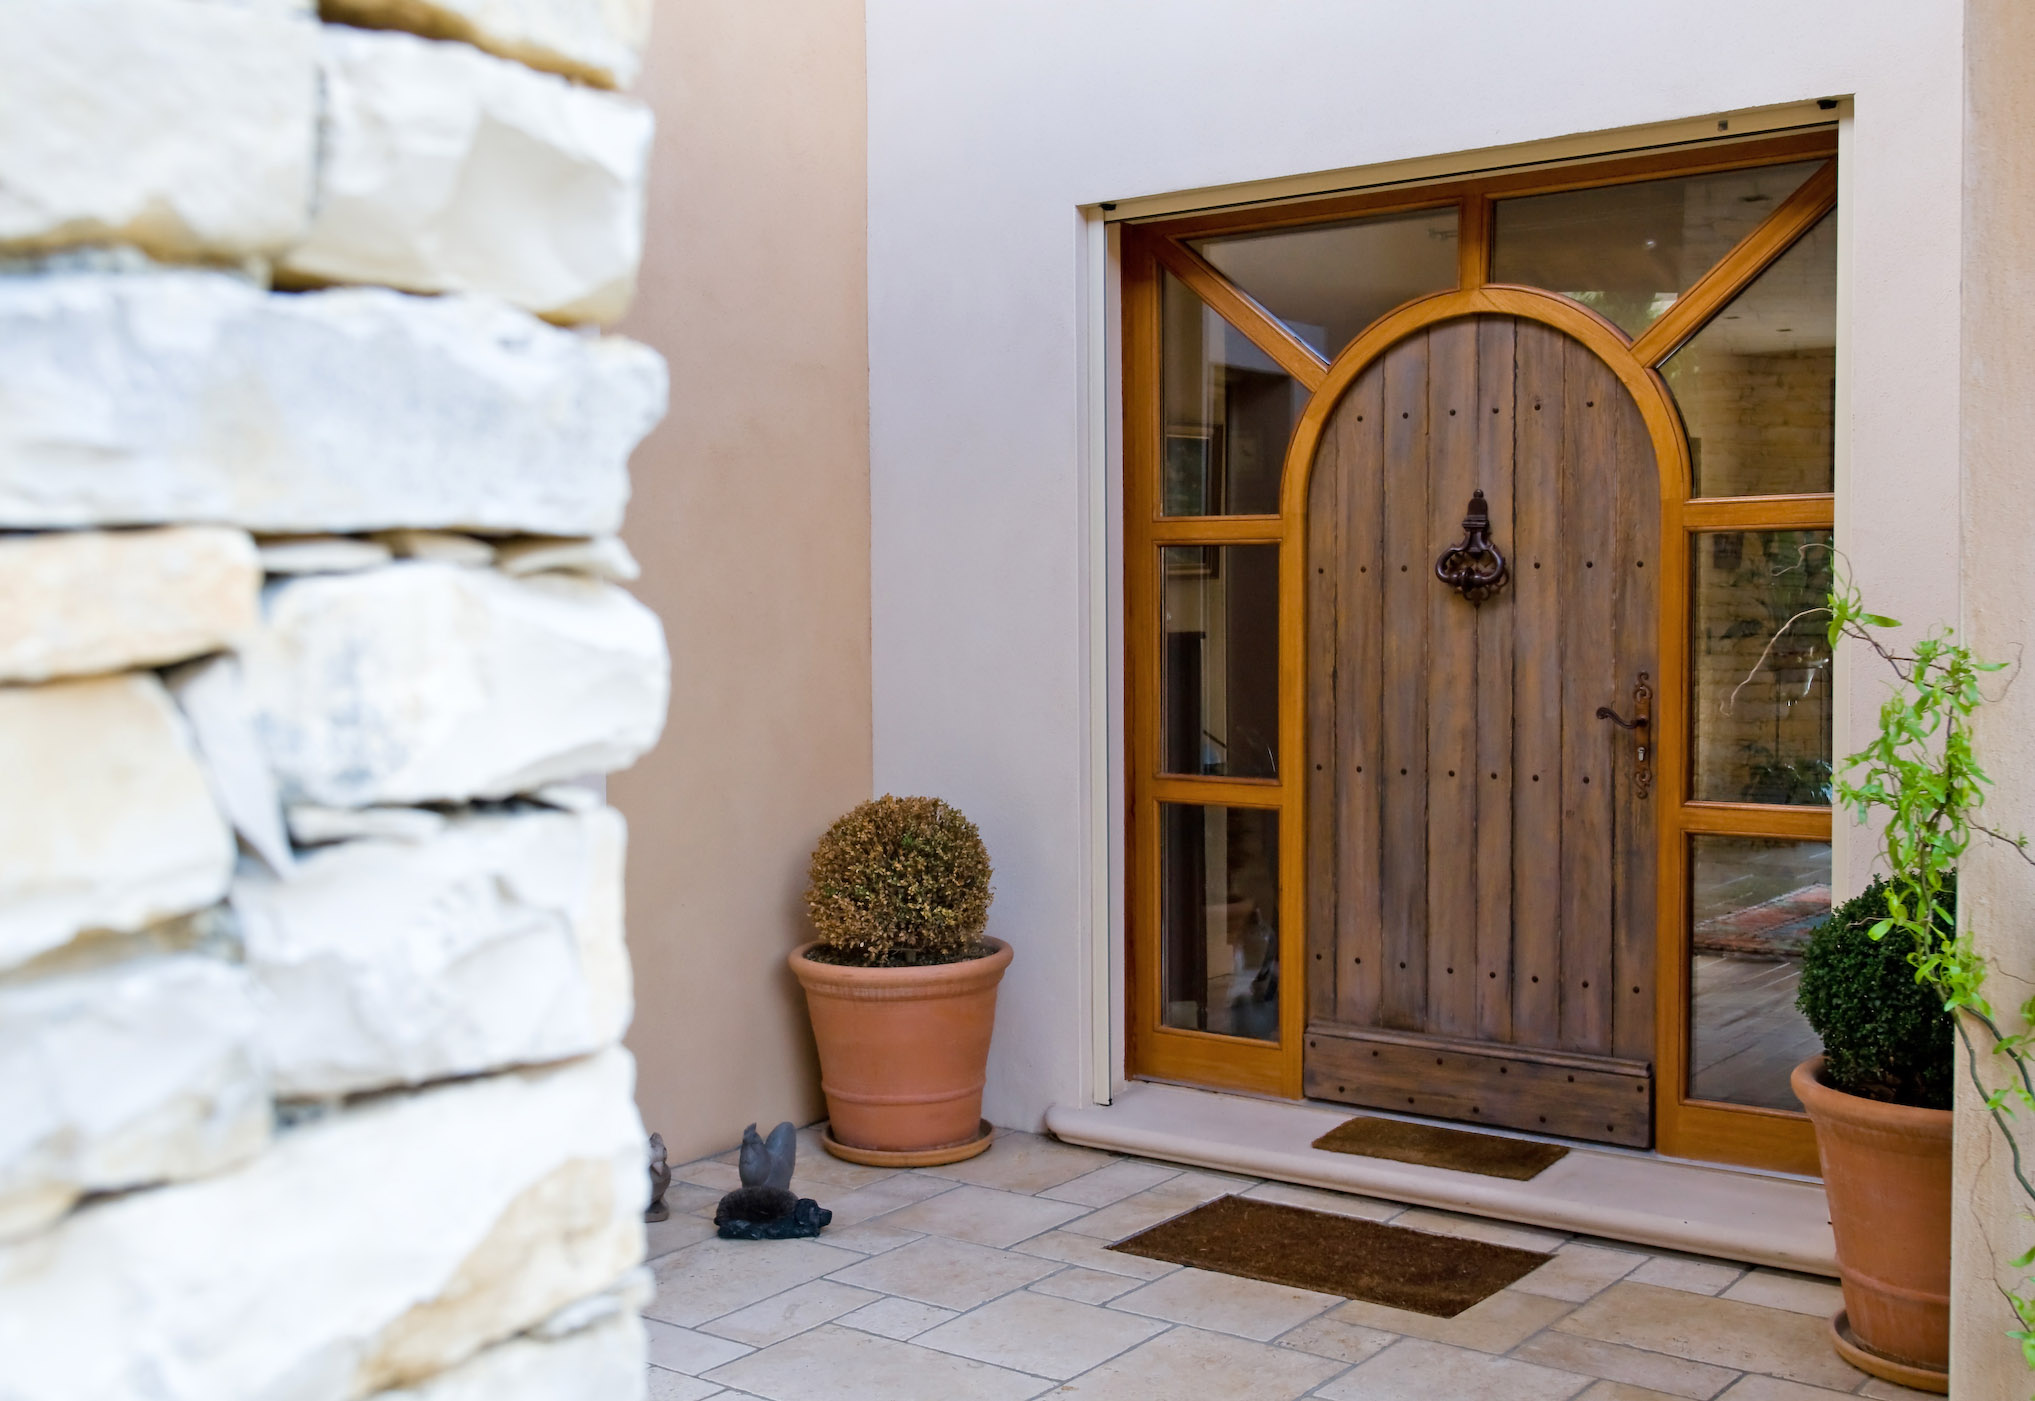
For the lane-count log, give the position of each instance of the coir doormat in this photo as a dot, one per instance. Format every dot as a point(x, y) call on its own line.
point(1430, 1145)
point(1346, 1255)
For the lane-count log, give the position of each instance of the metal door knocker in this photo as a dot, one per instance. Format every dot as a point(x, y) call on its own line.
point(1474, 568)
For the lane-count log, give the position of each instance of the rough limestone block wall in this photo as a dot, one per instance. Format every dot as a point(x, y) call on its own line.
point(312, 972)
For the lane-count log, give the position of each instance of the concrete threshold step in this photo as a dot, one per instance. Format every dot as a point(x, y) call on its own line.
point(1731, 1213)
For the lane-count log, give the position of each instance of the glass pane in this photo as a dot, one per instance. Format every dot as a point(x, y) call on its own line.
point(1628, 251)
point(1755, 902)
point(1757, 386)
point(1219, 919)
point(1219, 652)
point(1329, 281)
point(1761, 670)
point(1229, 412)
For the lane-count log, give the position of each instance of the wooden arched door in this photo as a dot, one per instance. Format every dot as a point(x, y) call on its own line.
point(1480, 838)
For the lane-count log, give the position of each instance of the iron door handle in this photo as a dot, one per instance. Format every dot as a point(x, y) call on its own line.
point(1641, 725)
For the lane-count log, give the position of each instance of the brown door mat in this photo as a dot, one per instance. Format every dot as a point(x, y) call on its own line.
point(1430, 1145)
point(1346, 1255)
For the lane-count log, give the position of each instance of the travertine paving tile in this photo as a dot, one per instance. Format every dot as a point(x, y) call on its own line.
point(716, 1177)
point(1577, 1272)
point(1497, 1324)
point(1335, 1203)
point(1248, 1308)
point(816, 1162)
point(1084, 1285)
point(896, 1318)
point(1688, 1273)
point(1184, 1363)
point(832, 1363)
point(795, 1310)
point(1774, 1389)
point(1621, 1391)
point(676, 1386)
point(717, 1277)
point(869, 1237)
point(691, 1199)
point(983, 1215)
point(851, 1207)
point(1346, 1342)
point(1780, 1289)
point(1075, 1249)
point(1676, 1376)
point(953, 1274)
point(1416, 1370)
point(1029, 1332)
point(1161, 1203)
point(676, 1232)
point(1111, 1184)
point(1722, 1332)
point(1891, 1391)
point(1024, 1162)
point(683, 1350)
point(1449, 1223)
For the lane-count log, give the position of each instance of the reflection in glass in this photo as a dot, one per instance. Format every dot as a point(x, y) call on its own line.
point(1219, 651)
point(1229, 412)
point(1628, 251)
point(1219, 919)
point(1329, 281)
point(1757, 386)
point(1755, 901)
point(1760, 668)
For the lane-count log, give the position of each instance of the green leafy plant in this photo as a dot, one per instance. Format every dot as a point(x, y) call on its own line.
point(899, 882)
point(1886, 1036)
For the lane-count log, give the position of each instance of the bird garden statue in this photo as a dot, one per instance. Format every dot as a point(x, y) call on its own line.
point(764, 1206)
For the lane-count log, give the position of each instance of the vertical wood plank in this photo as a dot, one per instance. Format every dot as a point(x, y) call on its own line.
point(1536, 677)
point(1406, 595)
point(1359, 432)
point(1451, 677)
point(1324, 631)
point(1495, 622)
point(1589, 487)
point(1637, 645)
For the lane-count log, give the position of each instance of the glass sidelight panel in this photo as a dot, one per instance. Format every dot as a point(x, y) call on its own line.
point(1757, 386)
point(1761, 666)
point(1219, 919)
point(1327, 282)
point(1219, 655)
point(1754, 902)
point(1629, 251)
point(1228, 413)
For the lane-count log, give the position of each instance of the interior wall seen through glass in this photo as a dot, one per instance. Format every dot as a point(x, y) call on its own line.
point(1219, 919)
point(1630, 251)
point(1229, 410)
point(1754, 901)
point(1757, 386)
point(1761, 666)
point(1327, 282)
point(1219, 656)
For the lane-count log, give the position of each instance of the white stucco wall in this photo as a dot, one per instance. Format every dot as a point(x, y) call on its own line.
point(991, 124)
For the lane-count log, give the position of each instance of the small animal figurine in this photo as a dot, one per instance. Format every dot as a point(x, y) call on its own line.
point(768, 1162)
point(660, 1181)
point(764, 1206)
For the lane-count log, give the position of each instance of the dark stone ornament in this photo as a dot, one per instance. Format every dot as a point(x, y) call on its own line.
point(660, 1181)
point(764, 1207)
point(1474, 568)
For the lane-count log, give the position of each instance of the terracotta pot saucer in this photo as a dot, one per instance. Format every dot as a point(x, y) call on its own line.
point(1878, 1364)
point(922, 1157)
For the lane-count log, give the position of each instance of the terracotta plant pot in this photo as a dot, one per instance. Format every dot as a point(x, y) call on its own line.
point(903, 1051)
point(1886, 1168)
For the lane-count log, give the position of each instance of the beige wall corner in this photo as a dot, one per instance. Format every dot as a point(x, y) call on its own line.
point(1997, 893)
point(751, 519)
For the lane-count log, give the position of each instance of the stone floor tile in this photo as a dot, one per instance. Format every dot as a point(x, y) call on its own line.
point(896, 1318)
point(1110, 1184)
point(853, 1206)
point(1774, 1389)
point(1721, 1332)
point(1023, 1162)
point(869, 1237)
point(691, 1199)
point(1450, 1223)
point(831, 1363)
point(1086, 1285)
point(1577, 1272)
point(675, 1233)
point(1076, 1249)
point(717, 1277)
point(795, 1310)
point(1653, 1371)
point(1050, 1337)
point(1497, 1324)
point(683, 1350)
point(715, 1177)
point(1414, 1369)
point(816, 1162)
point(1186, 1364)
point(676, 1386)
point(1161, 1203)
point(1622, 1391)
point(953, 1274)
point(1891, 1391)
point(1248, 1308)
point(1346, 1342)
point(1689, 1273)
point(1782, 1289)
point(1334, 1203)
point(983, 1215)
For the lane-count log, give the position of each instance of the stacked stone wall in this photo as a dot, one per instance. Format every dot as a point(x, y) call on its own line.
point(312, 635)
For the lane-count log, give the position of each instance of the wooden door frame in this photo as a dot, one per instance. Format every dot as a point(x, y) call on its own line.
point(1684, 1127)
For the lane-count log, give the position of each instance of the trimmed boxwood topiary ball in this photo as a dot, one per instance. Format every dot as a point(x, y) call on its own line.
point(898, 883)
point(1885, 1036)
